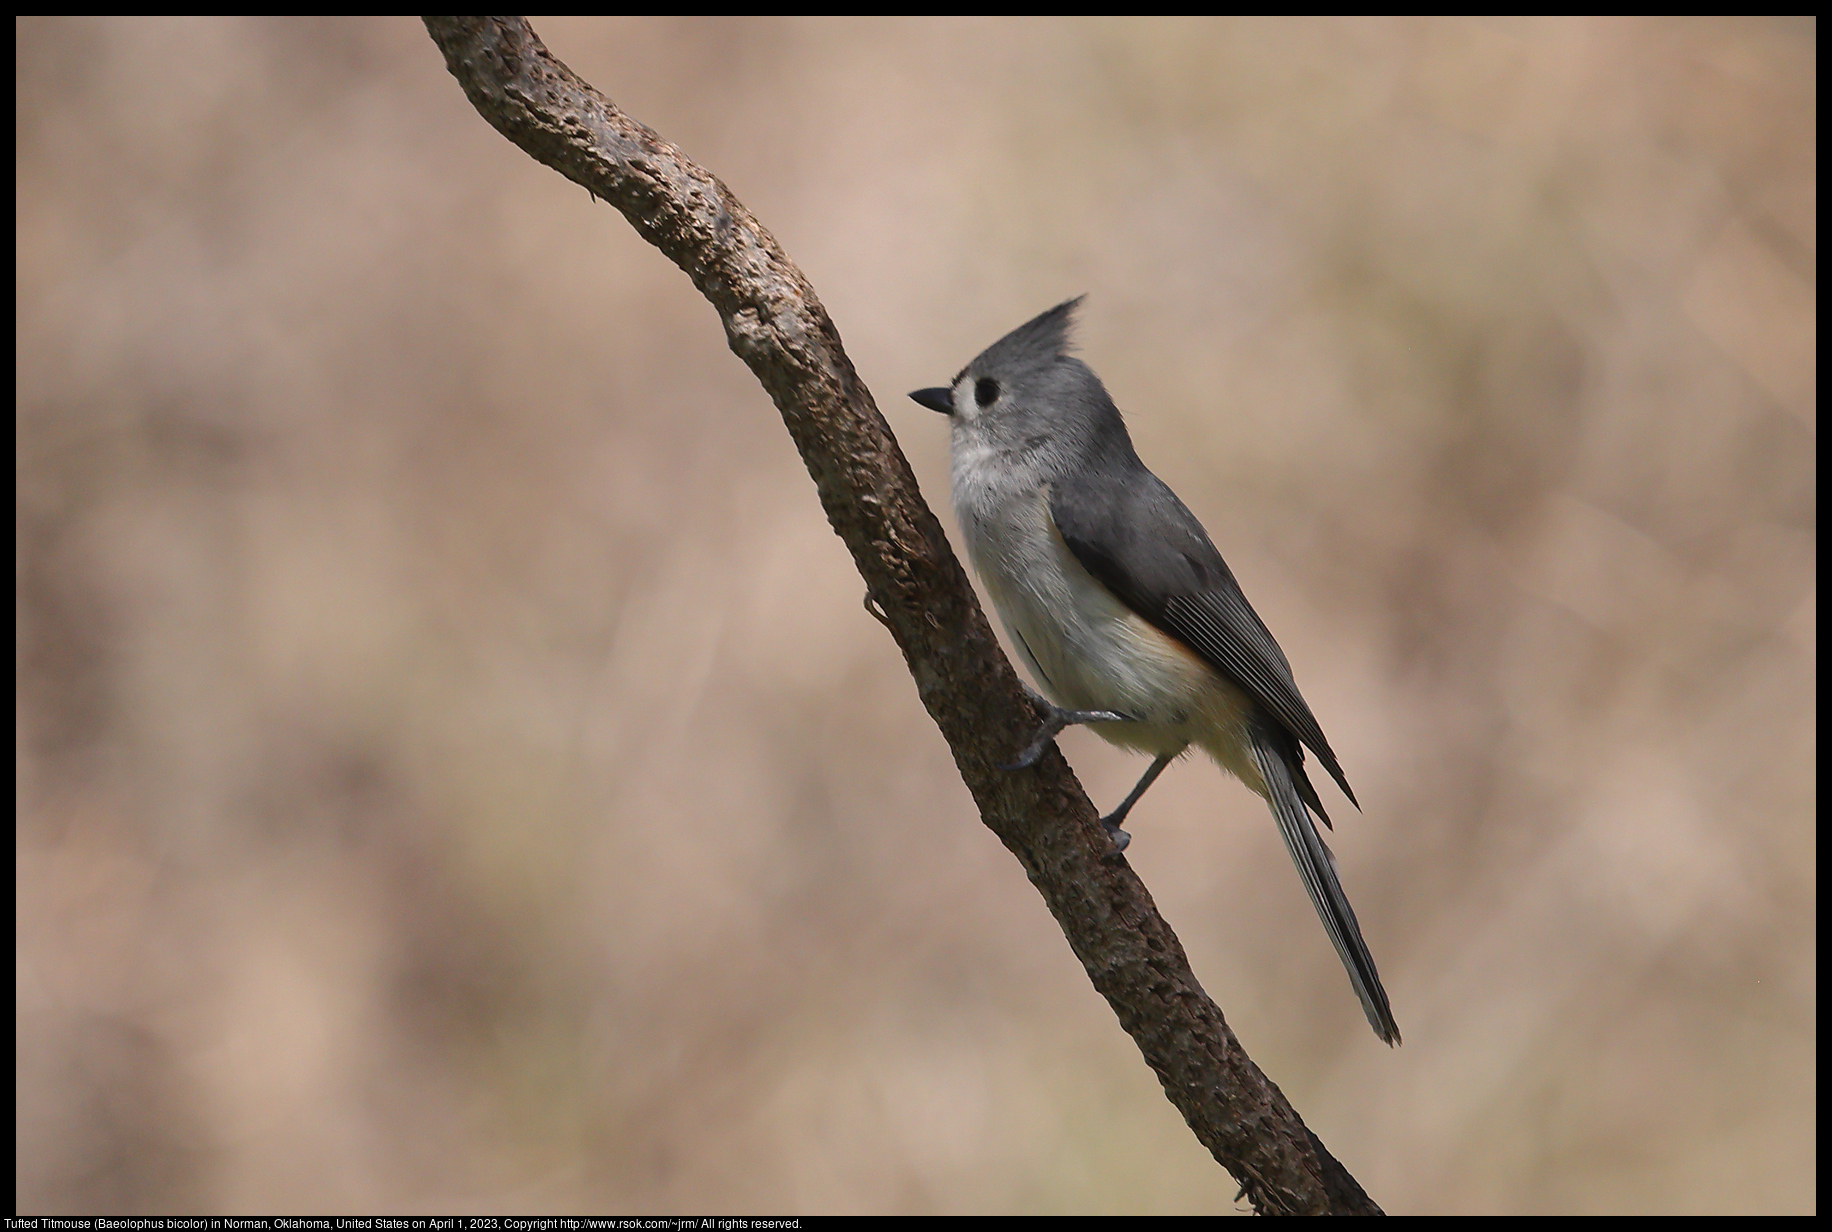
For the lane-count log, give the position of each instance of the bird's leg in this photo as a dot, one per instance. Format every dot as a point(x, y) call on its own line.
point(1057, 719)
point(1112, 820)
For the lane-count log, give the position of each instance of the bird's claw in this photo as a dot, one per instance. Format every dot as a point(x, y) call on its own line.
point(1052, 727)
point(1120, 837)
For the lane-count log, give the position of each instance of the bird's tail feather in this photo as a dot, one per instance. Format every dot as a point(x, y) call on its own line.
point(1317, 867)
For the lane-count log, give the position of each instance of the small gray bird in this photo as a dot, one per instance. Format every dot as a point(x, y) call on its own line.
point(1122, 608)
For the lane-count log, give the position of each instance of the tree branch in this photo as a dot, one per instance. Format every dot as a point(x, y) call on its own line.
point(775, 323)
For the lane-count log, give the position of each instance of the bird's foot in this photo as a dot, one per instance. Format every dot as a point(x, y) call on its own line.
point(1057, 719)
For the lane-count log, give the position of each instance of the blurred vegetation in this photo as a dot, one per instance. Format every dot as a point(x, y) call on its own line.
point(456, 773)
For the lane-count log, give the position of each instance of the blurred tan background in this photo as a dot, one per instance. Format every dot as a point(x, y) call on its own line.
point(456, 771)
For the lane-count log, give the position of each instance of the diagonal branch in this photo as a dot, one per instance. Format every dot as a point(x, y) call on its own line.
point(776, 324)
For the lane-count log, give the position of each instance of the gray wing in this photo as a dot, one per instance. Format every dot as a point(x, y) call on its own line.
point(1139, 541)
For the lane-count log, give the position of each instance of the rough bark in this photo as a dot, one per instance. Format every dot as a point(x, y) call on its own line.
point(776, 325)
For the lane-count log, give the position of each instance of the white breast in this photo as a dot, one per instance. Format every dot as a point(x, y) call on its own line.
point(1087, 650)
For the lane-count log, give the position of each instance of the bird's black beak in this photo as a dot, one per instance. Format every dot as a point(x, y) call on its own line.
point(938, 399)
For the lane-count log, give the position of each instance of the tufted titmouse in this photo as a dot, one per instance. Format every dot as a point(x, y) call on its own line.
point(1123, 609)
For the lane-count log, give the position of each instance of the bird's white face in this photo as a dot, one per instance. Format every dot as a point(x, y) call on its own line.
point(976, 397)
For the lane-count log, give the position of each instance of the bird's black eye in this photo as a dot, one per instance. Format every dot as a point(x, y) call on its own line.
point(985, 392)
